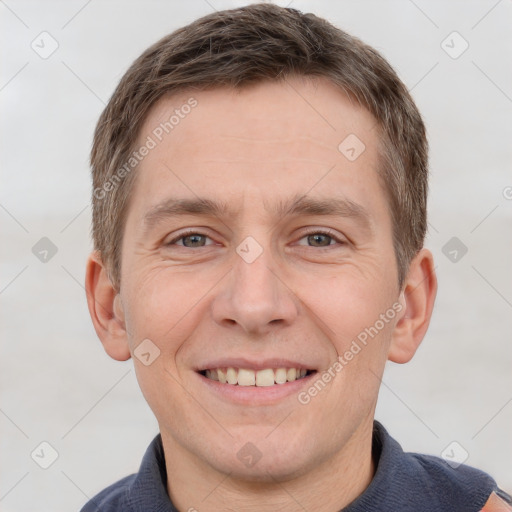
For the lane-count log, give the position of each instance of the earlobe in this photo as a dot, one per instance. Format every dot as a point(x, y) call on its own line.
point(106, 310)
point(418, 295)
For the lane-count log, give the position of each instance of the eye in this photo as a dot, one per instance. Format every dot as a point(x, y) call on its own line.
point(321, 239)
point(190, 240)
point(195, 239)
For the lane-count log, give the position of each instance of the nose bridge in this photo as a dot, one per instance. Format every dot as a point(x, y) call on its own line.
point(254, 296)
point(255, 281)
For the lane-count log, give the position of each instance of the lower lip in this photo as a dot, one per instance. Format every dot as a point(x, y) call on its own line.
point(256, 395)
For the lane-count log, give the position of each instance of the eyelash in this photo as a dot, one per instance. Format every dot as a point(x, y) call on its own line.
point(325, 232)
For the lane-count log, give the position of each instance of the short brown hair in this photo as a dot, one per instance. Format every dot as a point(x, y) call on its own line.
point(239, 47)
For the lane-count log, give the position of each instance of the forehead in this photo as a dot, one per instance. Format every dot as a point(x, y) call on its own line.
point(276, 139)
point(298, 108)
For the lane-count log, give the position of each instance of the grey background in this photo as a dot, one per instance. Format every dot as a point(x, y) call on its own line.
point(57, 385)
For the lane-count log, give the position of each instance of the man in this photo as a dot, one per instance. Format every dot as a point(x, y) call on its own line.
point(259, 212)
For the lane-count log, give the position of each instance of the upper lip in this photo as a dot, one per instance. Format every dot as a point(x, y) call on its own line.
point(260, 364)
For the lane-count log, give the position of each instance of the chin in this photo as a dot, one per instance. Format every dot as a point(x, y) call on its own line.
point(265, 472)
point(265, 460)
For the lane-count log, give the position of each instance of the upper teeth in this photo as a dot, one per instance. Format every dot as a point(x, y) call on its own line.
point(246, 377)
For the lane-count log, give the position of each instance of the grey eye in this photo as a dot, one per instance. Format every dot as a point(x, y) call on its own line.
point(319, 240)
point(194, 240)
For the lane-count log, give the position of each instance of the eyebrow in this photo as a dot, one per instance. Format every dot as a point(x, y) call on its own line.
point(297, 205)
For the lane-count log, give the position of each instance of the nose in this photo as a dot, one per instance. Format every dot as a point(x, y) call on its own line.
point(254, 297)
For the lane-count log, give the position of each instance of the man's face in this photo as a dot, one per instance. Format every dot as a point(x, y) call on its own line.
point(260, 285)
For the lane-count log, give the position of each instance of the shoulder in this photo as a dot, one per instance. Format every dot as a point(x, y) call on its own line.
point(142, 491)
point(112, 499)
point(501, 503)
point(424, 482)
point(442, 471)
point(467, 484)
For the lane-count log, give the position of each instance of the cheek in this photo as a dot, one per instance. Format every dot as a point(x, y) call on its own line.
point(358, 317)
point(346, 304)
point(163, 307)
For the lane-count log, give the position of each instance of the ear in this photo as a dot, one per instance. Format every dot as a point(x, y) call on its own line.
point(417, 297)
point(106, 309)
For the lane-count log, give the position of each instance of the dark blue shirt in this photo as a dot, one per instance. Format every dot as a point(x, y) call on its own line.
point(402, 482)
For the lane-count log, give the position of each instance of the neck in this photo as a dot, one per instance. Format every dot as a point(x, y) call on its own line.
point(330, 486)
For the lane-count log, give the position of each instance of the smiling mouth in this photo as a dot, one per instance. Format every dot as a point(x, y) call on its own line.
point(258, 378)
